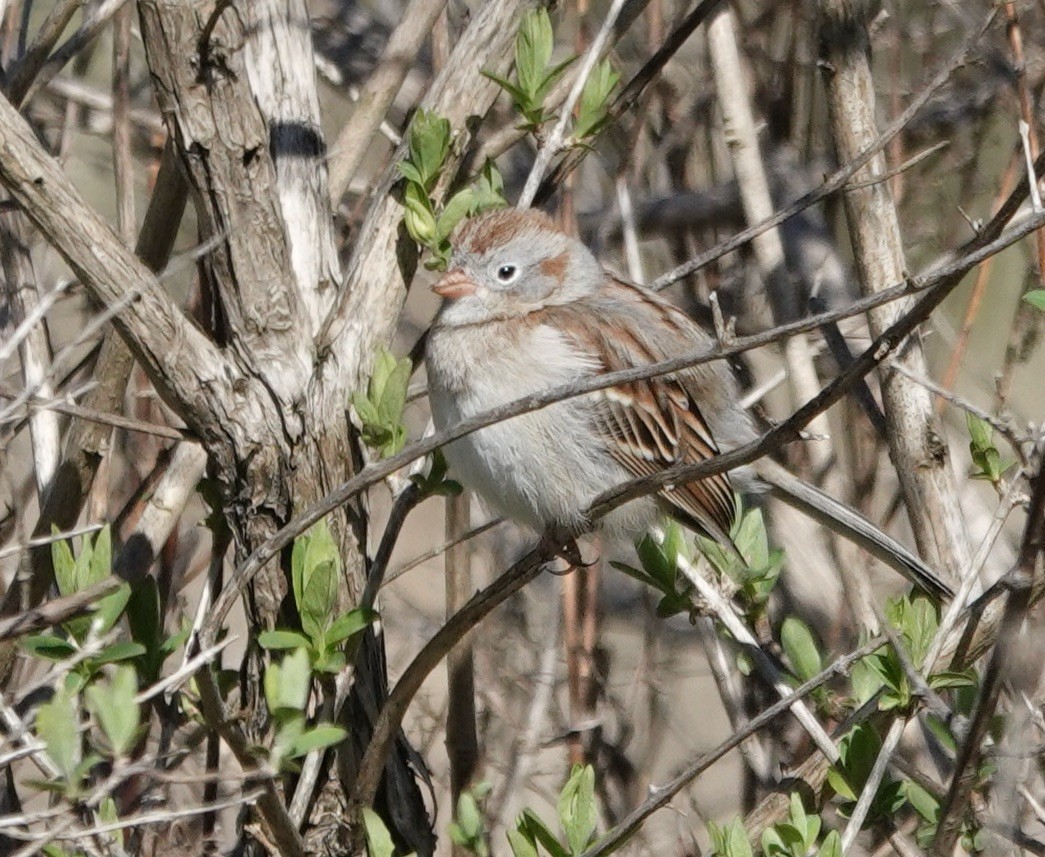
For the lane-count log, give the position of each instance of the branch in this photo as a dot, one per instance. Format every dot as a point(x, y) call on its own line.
point(661, 796)
point(913, 432)
point(391, 717)
point(56, 611)
point(184, 365)
point(378, 93)
point(1024, 580)
point(838, 179)
point(634, 89)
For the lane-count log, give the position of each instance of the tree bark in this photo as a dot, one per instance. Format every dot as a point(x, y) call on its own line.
point(916, 438)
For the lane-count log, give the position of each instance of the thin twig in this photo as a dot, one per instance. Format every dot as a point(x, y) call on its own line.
point(725, 614)
point(57, 610)
point(553, 144)
point(661, 796)
point(838, 179)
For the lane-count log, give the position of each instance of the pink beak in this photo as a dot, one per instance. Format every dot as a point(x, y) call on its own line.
point(455, 284)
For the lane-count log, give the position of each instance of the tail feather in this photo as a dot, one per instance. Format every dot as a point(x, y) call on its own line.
point(850, 524)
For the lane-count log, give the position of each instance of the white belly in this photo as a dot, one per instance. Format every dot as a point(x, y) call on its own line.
point(539, 468)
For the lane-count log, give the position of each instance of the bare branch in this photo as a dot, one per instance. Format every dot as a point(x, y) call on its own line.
point(181, 361)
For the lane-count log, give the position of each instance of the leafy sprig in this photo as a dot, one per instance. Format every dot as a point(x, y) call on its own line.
point(428, 223)
point(380, 408)
point(315, 570)
point(534, 74)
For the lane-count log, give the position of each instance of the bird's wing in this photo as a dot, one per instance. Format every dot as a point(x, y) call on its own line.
point(653, 424)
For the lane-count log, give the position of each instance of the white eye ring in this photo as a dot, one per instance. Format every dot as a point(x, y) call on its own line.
point(507, 273)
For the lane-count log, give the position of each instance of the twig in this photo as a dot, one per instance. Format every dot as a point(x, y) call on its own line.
point(662, 795)
point(37, 541)
point(948, 621)
point(1024, 578)
point(90, 28)
point(838, 179)
point(123, 166)
point(57, 610)
point(1001, 426)
point(115, 420)
point(725, 614)
point(634, 89)
point(410, 565)
point(35, 350)
point(380, 90)
point(553, 144)
point(462, 738)
point(183, 672)
point(521, 759)
point(388, 721)
point(23, 71)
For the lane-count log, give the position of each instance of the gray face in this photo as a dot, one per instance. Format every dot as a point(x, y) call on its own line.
point(508, 264)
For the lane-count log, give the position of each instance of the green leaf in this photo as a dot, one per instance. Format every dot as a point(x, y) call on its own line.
point(175, 641)
point(146, 626)
point(927, 806)
point(592, 109)
point(378, 839)
point(985, 455)
point(111, 607)
point(100, 566)
point(330, 662)
point(315, 568)
point(656, 564)
point(418, 217)
point(533, 50)
point(429, 145)
point(469, 818)
point(381, 409)
point(736, 841)
point(56, 726)
point(121, 651)
point(801, 649)
point(577, 810)
point(521, 845)
point(287, 683)
point(537, 832)
point(408, 171)
point(325, 735)
point(1036, 298)
point(832, 846)
point(107, 814)
point(953, 678)
point(489, 189)
point(49, 646)
point(457, 208)
point(63, 562)
point(773, 844)
point(117, 712)
point(282, 640)
point(349, 624)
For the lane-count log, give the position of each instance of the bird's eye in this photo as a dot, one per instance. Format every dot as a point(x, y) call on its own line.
point(507, 273)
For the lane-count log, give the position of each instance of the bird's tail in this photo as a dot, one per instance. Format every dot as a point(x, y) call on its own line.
point(850, 524)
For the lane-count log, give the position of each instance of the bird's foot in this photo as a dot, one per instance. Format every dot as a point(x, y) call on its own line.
point(566, 550)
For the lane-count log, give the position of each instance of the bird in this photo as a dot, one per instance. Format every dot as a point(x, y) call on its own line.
point(526, 308)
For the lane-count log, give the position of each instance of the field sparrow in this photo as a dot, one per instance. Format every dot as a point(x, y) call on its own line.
point(529, 308)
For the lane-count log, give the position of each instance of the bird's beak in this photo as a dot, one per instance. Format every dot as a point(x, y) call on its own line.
point(455, 284)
